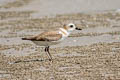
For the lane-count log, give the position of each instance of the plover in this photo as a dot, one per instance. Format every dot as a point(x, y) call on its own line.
point(52, 37)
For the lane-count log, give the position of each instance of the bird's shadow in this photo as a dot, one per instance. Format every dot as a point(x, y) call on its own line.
point(33, 60)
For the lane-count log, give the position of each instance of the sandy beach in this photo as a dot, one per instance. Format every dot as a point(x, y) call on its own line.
point(90, 54)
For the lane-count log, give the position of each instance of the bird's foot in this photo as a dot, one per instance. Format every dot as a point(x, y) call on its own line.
point(50, 60)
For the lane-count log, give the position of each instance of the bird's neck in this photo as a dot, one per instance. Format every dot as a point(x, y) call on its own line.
point(64, 32)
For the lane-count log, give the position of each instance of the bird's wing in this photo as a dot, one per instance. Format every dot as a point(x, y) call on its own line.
point(46, 36)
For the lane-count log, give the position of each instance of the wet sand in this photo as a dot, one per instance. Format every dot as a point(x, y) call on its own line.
point(90, 54)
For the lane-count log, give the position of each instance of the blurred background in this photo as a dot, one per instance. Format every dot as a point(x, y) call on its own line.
point(46, 7)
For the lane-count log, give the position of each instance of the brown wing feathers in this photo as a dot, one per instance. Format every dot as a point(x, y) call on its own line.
point(45, 36)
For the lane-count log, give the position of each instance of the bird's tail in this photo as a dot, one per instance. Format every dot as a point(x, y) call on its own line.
point(29, 38)
point(25, 39)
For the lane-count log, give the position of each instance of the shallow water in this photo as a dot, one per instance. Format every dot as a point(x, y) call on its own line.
point(4, 74)
point(71, 41)
point(47, 7)
point(100, 30)
point(51, 8)
point(88, 40)
point(13, 41)
point(5, 1)
point(17, 53)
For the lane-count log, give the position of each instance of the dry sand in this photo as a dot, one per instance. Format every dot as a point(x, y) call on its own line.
point(91, 54)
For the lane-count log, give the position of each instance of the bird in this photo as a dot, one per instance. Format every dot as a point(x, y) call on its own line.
point(52, 37)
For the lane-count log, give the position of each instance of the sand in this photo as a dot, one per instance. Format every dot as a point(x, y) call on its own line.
point(90, 54)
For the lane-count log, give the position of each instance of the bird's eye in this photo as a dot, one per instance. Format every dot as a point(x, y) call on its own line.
point(71, 26)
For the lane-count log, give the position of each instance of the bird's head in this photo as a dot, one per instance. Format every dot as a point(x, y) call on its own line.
point(71, 27)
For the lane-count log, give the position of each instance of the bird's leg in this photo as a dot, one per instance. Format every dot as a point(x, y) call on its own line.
point(45, 49)
point(50, 57)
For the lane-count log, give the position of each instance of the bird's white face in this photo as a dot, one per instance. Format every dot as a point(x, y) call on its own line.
point(71, 27)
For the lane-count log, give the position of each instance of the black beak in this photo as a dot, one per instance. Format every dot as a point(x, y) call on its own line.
point(78, 28)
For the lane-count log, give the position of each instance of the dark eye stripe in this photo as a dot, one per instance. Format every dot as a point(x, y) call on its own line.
point(71, 26)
